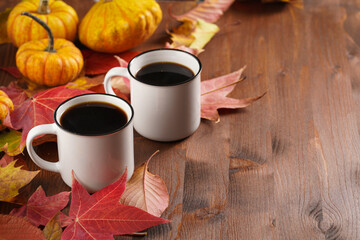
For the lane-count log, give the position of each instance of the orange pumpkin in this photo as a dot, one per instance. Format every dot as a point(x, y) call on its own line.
point(118, 25)
point(6, 107)
point(47, 61)
point(60, 17)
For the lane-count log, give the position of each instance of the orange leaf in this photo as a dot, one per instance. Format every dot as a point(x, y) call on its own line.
point(146, 191)
point(12, 179)
point(18, 228)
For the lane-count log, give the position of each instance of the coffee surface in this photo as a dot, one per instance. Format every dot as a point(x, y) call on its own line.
point(93, 118)
point(164, 74)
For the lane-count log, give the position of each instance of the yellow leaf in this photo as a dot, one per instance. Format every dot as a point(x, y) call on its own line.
point(193, 34)
point(10, 142)
point(3, 20)
point(12, 179)
point(53, 230)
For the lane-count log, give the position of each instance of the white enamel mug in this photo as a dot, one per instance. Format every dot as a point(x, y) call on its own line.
point(97, 160)
point(162, 113)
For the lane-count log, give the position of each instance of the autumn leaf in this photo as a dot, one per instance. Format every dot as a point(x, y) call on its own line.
point(15, 93)
point(18, 228)
point(39, 109)
point(99, 216)
point(53, 230)
point(193, 51)
point(12, 179)
point(98, 63)
point(193, 34)
point(208, 10)
point(3, 20)
point(13, 71)
point(10, 142)
point(86, 82)
point(40, 208)
point(214, 92)
point(6, 160)
point(146, 191)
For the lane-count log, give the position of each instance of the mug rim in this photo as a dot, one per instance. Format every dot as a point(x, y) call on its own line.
point(165, 49)
point(89, 135)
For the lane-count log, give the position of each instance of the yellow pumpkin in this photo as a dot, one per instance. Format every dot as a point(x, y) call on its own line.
point(6, 107)
point(60, 17)
point(117, 25)
point(47, 61)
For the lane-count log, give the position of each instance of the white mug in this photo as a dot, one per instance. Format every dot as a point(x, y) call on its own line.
point(97, 160)
point(162, 113)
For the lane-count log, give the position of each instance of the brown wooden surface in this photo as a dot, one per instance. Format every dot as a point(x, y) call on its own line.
point(286, 167)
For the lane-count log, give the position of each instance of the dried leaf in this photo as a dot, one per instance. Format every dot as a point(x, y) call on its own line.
point(214, 92)
point(18, 228)
point(12, 179)
point(38, 109)
point(209, 11)
point(146, 191)
point(99, 216)
point(193, 51)
point(10, 142)
point(3, 20)
point(53, 230)
point(193, 34)
point(13, 71)
point(40, 209)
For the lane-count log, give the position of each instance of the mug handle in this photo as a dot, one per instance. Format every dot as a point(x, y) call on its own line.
point(37, 131)
point(116, 71)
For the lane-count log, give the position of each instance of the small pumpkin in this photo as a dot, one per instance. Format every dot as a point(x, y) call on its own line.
point(6, 107)
point(117, 25)
point(60, 17)
point(49, 62)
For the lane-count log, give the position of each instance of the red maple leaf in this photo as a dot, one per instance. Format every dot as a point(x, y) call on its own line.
point(100, 216)
point(15, 93)
point(13, 71)
point(40, 209)
point(98, 63)
point(38, 109)
point(214, 92)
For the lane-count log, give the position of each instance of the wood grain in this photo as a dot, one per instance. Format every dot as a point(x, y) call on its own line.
point(286, 167)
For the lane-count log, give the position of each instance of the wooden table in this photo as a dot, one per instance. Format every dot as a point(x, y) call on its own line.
point(288, 166)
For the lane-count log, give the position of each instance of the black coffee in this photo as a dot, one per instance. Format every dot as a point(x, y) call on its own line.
point(93, 118)
point(164, 74)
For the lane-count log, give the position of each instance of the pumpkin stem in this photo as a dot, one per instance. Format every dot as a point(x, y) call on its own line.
point(50, 47)
point(44, 7)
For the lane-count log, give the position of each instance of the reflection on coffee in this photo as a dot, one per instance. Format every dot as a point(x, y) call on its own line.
point(164, 74)
point(93, 118)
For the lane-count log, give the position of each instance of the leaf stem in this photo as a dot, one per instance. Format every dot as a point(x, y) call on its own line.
point(222, 87)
